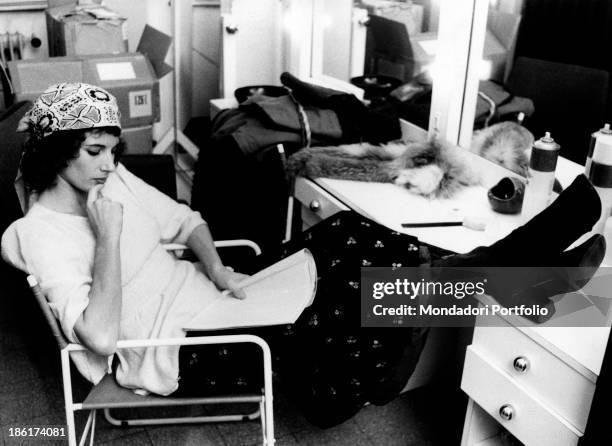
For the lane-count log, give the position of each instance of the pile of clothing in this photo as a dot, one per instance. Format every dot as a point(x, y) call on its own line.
point(240, 185)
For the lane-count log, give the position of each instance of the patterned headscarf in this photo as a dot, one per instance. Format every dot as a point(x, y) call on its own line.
point(70, 106)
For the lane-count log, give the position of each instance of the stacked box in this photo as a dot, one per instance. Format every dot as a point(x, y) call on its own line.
point(133, 78)
point(92, 29)
point(130, 77)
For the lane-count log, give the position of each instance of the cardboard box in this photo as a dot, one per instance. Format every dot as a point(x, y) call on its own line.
point(132, 77)
point(90, 29)
point(138, 139)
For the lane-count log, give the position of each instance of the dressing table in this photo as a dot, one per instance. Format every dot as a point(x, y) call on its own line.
point(535, 381)
point(391, 205)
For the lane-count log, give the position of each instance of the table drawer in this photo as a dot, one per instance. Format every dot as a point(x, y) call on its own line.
point(532, 422)
point(546, 377)
point(317, 203)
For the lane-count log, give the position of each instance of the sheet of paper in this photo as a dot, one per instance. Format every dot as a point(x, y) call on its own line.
point(279, 295)
point(114, 71)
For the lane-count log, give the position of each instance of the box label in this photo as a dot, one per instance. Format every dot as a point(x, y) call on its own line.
point(140, 103)
point(114, 71)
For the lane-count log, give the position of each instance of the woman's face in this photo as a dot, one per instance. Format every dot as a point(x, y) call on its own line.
point(95, 161)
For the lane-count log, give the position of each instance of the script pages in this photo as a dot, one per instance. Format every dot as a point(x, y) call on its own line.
point(275, 295)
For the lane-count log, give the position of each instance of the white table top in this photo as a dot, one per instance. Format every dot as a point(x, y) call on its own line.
point(392, 205)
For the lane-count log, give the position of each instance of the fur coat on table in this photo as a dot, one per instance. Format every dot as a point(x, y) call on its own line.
point(425, 168)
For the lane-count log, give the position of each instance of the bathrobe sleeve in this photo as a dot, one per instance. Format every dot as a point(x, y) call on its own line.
point(176, 221)
point(62, 269)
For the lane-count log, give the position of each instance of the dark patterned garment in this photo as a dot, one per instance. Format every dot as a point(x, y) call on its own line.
point(326, 361)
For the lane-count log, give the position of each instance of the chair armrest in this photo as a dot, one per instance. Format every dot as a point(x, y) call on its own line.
point(196, 340)
point(219, 244)
point(239, 242)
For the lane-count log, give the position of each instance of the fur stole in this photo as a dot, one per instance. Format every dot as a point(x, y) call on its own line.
point(428, 169)
point(507, 144)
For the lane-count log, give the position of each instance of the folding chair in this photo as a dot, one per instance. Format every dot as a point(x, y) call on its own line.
point(107, 395)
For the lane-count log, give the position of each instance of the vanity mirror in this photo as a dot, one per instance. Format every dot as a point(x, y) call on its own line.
point(553, 59)
point(385, 37)
point(380, 44)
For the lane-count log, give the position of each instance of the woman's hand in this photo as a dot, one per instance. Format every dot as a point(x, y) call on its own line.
point(98, 326)
point(226, 279)
point(105, 216)
point(201, 243)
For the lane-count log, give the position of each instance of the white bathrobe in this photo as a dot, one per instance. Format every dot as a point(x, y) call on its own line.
point(160, 294)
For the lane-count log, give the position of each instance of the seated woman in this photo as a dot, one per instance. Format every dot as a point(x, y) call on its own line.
point(93, 238)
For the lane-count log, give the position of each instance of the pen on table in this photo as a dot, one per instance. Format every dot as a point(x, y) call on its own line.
point(432, 224)
point(470, 223)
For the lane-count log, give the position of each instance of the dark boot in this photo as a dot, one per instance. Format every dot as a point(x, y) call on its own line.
point(540, 244)
point(542, 239)
point(573, 270)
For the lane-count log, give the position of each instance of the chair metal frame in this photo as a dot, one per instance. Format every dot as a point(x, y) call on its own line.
point(99, 396)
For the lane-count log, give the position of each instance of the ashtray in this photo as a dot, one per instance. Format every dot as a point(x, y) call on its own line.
point(506, 197)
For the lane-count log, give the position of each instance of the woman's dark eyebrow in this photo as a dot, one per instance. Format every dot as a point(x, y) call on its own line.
point(97, 146)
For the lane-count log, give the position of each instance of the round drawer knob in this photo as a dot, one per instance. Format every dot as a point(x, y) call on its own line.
point(521, 364)
point(314, 206)
point(506, 412)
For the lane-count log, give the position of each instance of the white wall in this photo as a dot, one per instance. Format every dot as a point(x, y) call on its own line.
point(336, 23)
point(252, 54)
point(296, 41)
point(450, 68)
point(158, 14)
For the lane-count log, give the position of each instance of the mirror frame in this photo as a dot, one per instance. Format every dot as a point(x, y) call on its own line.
point(472, 78)
point(453, 77)
point(454, 81)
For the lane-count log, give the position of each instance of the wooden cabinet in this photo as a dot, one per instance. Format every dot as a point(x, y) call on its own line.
point(537, 370)
point(536, 382)
point(531, 420)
